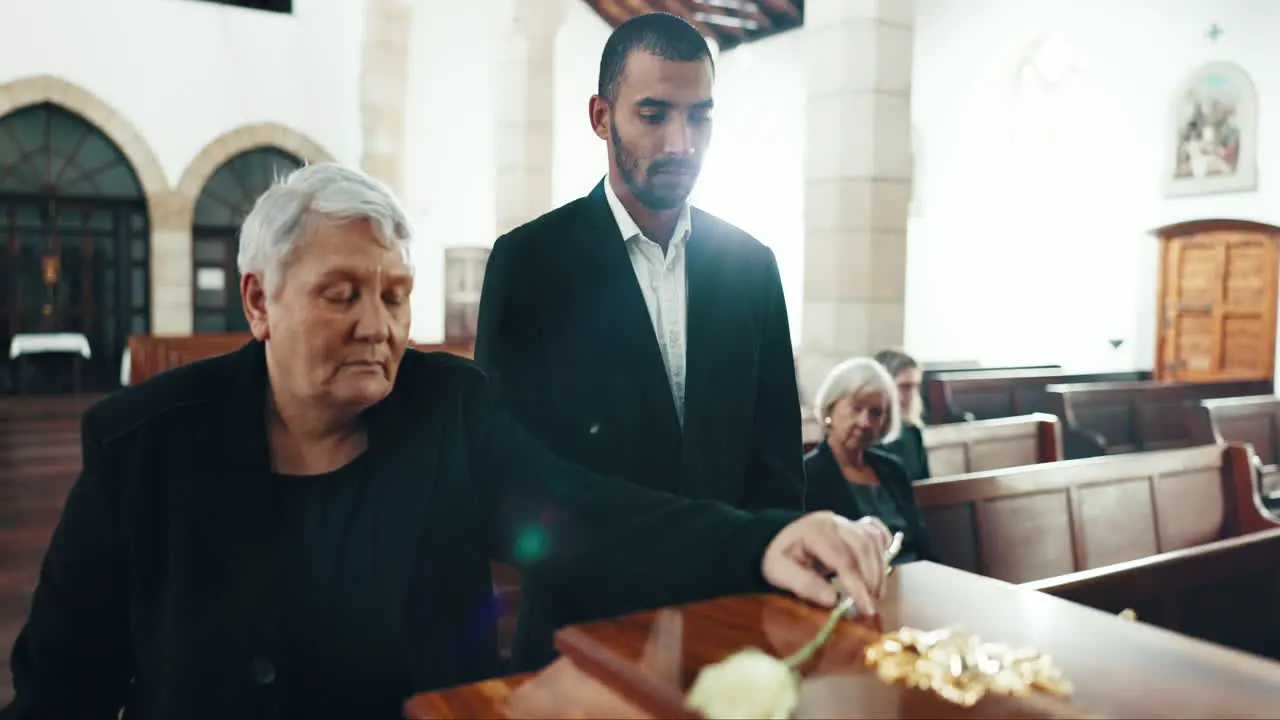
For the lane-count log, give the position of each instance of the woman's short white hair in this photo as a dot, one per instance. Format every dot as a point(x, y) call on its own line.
point(325, 191)
point(856, 376)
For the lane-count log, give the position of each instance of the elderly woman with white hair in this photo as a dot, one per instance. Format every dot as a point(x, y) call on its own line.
point(848, 473)
point(303, 527)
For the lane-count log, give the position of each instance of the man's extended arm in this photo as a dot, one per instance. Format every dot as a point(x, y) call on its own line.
point(617, 546)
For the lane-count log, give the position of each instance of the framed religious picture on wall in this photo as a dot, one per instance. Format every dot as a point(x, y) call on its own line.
point(463, 278)
point(1212, 144)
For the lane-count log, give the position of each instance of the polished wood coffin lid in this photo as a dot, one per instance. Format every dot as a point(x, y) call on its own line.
point(1119, 668)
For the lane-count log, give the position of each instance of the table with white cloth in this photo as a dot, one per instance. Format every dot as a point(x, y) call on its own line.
point(28, 344)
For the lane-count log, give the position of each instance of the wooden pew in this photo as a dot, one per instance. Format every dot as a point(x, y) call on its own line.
point(931, 371)
point(1226, 592)
point(1254, 420)
point(959, 448)
point(1121, 417)
point(934, 396)
point(1039, 521)
point(985, 394)
point(151, 355)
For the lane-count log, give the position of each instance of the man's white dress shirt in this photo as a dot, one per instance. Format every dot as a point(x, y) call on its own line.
point(664, 286)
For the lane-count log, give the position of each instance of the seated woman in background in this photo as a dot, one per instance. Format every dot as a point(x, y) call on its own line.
point(909, 447)
point(847, 473)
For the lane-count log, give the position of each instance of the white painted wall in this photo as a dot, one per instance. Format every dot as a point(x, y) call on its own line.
point(450, 172)
point(185, 72)
point(1043, 256)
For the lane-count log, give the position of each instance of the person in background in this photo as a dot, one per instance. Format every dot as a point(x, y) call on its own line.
point(636, 334)
point(303, 528)
point(909, 447)
point(848, 472)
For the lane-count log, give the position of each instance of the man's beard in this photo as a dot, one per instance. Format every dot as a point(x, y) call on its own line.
point(651, 194)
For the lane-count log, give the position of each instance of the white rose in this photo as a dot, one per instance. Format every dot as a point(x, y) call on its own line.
point(748, 684)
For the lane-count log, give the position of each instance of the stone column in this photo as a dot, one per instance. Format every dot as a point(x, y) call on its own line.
point(525, 86)
point(171, 270)
point(857, 180)
point(384, 76)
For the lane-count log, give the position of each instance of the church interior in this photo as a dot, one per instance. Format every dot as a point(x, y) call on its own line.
point(1099, 417)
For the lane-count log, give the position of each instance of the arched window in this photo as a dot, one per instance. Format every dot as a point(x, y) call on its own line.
point(224, 202)
point(74, 236)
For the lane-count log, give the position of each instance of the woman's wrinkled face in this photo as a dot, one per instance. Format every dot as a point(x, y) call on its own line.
point(908, 381)
point(857, 420)
point(337, 326)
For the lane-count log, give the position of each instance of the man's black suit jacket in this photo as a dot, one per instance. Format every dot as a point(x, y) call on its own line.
point(564, 325)
point(161, 590)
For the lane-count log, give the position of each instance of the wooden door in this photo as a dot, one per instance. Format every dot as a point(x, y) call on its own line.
point(1217, 302)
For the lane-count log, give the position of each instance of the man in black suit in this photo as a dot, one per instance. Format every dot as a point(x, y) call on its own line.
point(639, 336)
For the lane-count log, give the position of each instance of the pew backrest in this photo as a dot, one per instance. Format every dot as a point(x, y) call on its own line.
point(985, 394)
point(1254, 420)
point(150, 355)
point(1225, 591)
point(1123, 417)
point(935, 406)
point(1028, 523)
point(959, 448)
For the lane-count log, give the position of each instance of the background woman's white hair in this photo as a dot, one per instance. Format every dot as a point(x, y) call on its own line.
point(321, 192)
point(855, 376)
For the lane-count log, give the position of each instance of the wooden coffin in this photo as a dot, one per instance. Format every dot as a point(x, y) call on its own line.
point(618, 668)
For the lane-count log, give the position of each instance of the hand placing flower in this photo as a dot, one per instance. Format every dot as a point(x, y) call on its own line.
point(754, 684)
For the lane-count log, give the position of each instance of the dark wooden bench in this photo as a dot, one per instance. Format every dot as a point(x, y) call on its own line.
point(1038, 521)
point(150, 355)
point(1254, 420)
point(931, 372)
point(959, 448)
point(1226, 591)
point(986, 394)
point(1122, 417)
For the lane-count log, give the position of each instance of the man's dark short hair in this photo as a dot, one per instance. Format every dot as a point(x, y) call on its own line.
point(668, 36)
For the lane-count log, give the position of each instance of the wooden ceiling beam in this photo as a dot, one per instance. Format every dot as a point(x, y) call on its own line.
point(637, 7)
point(699, 7)
point(763, 22)
point(730, 26)
point(719, 30)
point(612, 13)
point(675, 8)
point(782, 7)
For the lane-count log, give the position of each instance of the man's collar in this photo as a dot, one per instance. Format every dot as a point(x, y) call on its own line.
point(628, 227)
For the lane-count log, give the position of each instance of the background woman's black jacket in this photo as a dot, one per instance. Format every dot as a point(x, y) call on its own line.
point(910, 451)
point(161, 590)
point(828, 490)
